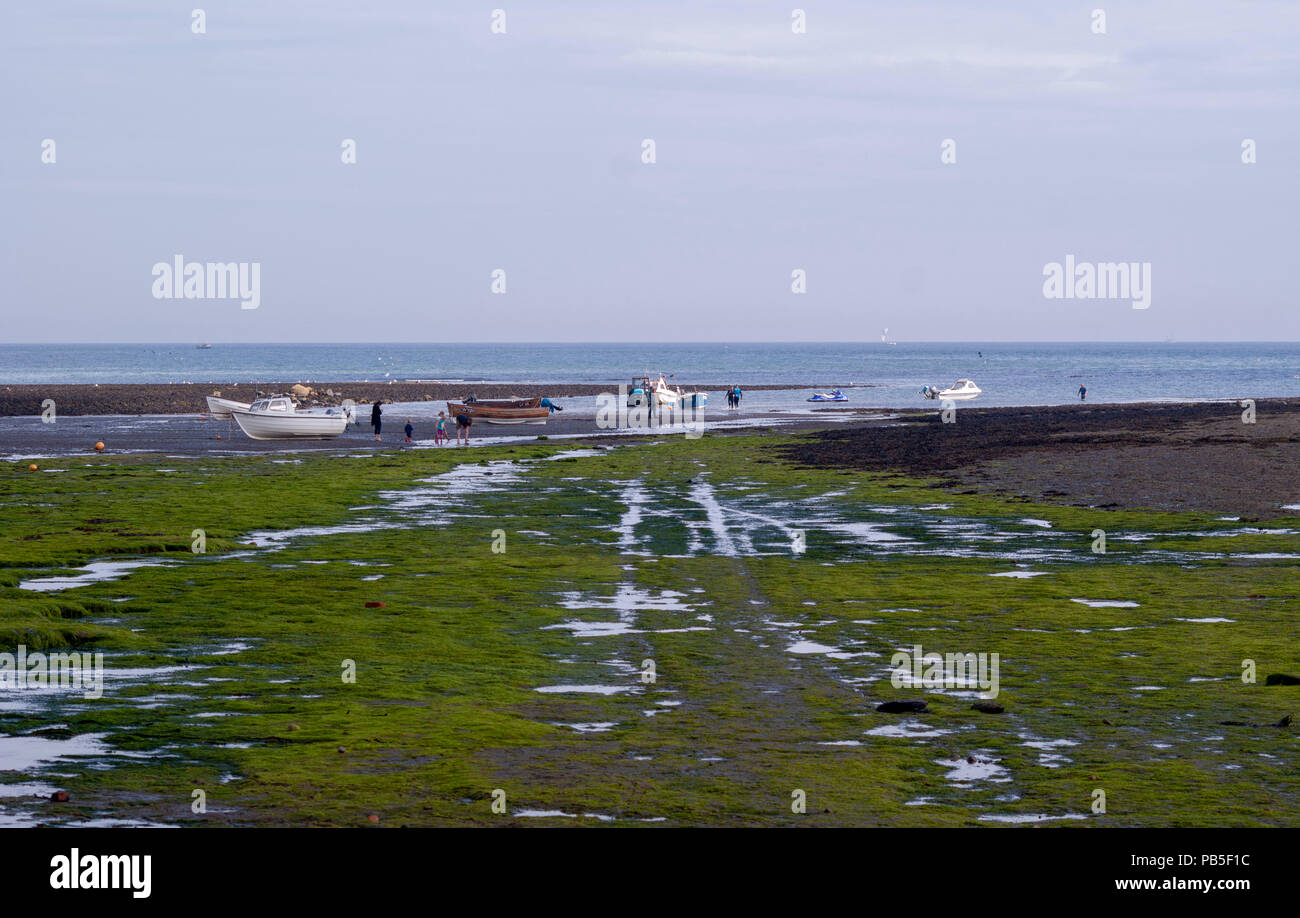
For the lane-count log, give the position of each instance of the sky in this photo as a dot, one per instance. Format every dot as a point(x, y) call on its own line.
point(775, 151)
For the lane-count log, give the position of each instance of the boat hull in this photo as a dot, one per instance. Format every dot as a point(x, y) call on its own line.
point(223, 407)
point(504, 402)
point(298, 426)
point(484, 411)
point(964, 391)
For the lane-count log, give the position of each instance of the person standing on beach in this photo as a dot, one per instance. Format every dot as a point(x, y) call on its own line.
point(739, 396)
point(1083, 392)
point(440, 432)
point(375, 414)
point(409, 430)
point(463, 421)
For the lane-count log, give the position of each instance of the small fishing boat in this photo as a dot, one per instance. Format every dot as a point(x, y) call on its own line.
point(223, 407)
point(278, 418)
point(501, 402)
point(961, 390)
point(644, 389)
point(835, 395)
point(502, 411)
point(203, 347)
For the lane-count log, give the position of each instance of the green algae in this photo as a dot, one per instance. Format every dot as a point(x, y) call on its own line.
point(445, 706)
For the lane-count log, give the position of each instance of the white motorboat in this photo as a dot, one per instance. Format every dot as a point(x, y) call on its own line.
point(664, 395)
point(223, 407)
point(960, 391)
point(277, 418)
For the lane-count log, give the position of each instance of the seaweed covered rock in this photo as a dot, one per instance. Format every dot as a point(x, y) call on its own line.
point(903, 707)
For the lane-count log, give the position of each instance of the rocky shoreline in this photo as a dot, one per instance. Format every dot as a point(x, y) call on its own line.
point(1200, 456)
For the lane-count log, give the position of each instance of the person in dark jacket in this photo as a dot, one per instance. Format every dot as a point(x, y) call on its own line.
point(376, 414)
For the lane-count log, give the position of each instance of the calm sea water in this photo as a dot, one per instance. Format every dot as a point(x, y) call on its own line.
point(1009, 374)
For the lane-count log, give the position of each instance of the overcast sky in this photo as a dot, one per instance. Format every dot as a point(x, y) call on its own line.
point(522, 151)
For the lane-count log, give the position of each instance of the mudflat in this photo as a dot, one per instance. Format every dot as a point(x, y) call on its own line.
point(1201, 456)
point(188, 398)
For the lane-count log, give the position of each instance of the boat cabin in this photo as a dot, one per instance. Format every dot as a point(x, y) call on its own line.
point(638, 392)
point(279, 403)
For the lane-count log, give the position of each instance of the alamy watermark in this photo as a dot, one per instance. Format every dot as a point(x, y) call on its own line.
point(684, 416)
point(75, 870)
point(917, 669)
point(75, 670)
point(1102, 281)
point(209, 281)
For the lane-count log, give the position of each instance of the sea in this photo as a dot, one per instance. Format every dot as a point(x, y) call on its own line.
point(875, 373)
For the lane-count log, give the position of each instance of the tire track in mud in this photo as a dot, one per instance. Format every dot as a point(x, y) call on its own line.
point(735, 703)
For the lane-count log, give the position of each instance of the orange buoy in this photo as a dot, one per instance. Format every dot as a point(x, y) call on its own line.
point(32, 467)
point(99, 446)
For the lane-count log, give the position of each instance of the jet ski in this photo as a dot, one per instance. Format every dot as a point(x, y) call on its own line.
point(833, 396)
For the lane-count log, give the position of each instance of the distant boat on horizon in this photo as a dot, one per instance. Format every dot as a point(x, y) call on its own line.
point(203, 347)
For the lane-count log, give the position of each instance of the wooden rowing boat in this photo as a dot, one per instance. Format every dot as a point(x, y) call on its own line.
point(517, 411)
point(503, 402)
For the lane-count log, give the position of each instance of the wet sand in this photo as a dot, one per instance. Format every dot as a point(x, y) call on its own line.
point(188, 398)
point(193, 434)
point(1160, 456)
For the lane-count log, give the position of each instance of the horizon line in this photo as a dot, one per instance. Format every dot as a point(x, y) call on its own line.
point(194, 344)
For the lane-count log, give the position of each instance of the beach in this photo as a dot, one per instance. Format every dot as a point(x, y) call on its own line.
point(188, 398)
point(650, 416)
point(1164, 456)
point(710, 622)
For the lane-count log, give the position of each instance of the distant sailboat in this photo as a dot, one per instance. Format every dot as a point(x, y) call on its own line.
point(885, 339)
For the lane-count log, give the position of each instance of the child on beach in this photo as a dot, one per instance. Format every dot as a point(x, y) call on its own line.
point(409, 430)
point(440, 432)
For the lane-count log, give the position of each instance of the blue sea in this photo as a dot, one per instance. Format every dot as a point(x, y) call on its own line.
point(1009, 373)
